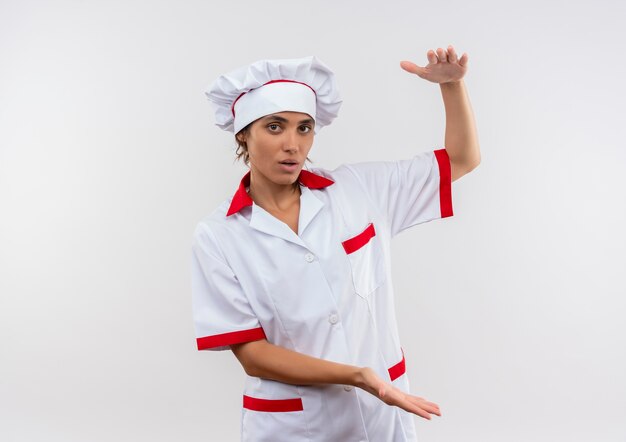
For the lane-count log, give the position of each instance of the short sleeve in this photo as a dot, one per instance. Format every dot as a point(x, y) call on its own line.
point(221, 311)
point(408, 192)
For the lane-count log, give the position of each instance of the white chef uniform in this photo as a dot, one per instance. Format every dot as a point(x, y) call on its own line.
point(325, 291)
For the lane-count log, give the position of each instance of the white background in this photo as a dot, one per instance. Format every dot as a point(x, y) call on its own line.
point(511, 312)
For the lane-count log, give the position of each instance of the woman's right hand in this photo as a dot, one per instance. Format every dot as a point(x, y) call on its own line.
point(374, 384)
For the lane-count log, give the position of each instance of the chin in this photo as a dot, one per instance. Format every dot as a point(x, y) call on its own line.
point(286, 179)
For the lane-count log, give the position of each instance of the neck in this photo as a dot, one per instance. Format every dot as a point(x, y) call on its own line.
point(270, 195)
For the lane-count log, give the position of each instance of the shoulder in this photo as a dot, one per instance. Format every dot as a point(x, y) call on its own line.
point(354, 175)
point(367, 173)
point(341, 175)
point(215, 217)
point(209, 227)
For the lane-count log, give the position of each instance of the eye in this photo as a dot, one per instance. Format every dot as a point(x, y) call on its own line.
point(273, 127)
point(305, 129)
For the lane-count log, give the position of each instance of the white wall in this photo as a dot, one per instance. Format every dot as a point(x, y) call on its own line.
point(511, 312)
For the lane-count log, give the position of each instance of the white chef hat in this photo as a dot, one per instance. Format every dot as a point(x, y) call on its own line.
point(267, 86)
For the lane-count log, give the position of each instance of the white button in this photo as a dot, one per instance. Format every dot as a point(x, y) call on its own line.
point(333, 319)
point(309, 257)
point(347, 387)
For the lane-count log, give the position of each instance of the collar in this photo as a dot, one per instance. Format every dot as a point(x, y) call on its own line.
point(241, 198)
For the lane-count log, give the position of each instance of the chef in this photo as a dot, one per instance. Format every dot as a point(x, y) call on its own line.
point(292, 273)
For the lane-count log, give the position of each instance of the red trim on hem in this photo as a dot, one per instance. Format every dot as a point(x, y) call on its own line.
point(445, 182)
point(398, 370)
point(353, 244)
point(253, 334)
point(272, 405)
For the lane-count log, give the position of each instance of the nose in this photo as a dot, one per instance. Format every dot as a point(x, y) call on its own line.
point(290, 141)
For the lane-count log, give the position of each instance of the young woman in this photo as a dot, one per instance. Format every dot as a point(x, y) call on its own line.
point(293, 272)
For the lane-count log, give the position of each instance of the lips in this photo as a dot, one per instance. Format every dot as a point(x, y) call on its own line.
point(289, 166)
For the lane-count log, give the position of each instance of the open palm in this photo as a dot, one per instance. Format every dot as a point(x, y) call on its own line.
point(391, 395)
point(443, 66)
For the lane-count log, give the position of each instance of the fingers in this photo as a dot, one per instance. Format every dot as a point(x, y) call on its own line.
point(410, 67)
point(442, 55)
point(411, 403)
point(442, 73)
point(412, 408)
point(430, 407)
point(453, 58)
point(432, 57)
point(413, 68)
point(452, 54)
point(420, 400)
point(446, 56)
point(464, 59)
point(391, 395)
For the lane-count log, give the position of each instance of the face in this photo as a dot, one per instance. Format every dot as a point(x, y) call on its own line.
point(278, 145)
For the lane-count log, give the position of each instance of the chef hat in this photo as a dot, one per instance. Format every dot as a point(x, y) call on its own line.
point(267, 86)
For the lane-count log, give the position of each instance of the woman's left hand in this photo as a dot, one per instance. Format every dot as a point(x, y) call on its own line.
point(443, 66)
point(391, 395)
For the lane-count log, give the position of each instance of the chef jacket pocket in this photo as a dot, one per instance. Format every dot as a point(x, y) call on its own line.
point(274, 420)
point(366, 260)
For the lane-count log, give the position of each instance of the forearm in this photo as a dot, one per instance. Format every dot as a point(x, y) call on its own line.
point(461, 138)
point(264, 360)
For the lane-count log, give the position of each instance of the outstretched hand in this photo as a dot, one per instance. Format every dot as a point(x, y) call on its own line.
point(443, 66)
point(372, 383)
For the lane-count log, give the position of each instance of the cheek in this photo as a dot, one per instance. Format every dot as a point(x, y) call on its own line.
point(309, 145)
point(262, 147)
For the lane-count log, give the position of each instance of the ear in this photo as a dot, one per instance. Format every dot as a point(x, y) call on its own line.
point(241, 137)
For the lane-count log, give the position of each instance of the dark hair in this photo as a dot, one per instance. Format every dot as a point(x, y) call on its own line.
point(242, 147)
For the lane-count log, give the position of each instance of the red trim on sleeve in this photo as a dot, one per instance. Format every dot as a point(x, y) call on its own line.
point(445, 182)
point(398, 370)
point(254, 334)
point(272, 405)
point(353, 244)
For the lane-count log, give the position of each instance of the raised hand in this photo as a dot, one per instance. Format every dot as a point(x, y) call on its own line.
point(443, 66)
point(372, 383)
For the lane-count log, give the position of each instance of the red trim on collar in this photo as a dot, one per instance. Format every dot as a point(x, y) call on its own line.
point(241, 198)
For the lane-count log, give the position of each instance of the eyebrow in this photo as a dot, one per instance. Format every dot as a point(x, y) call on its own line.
point(284, 120)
